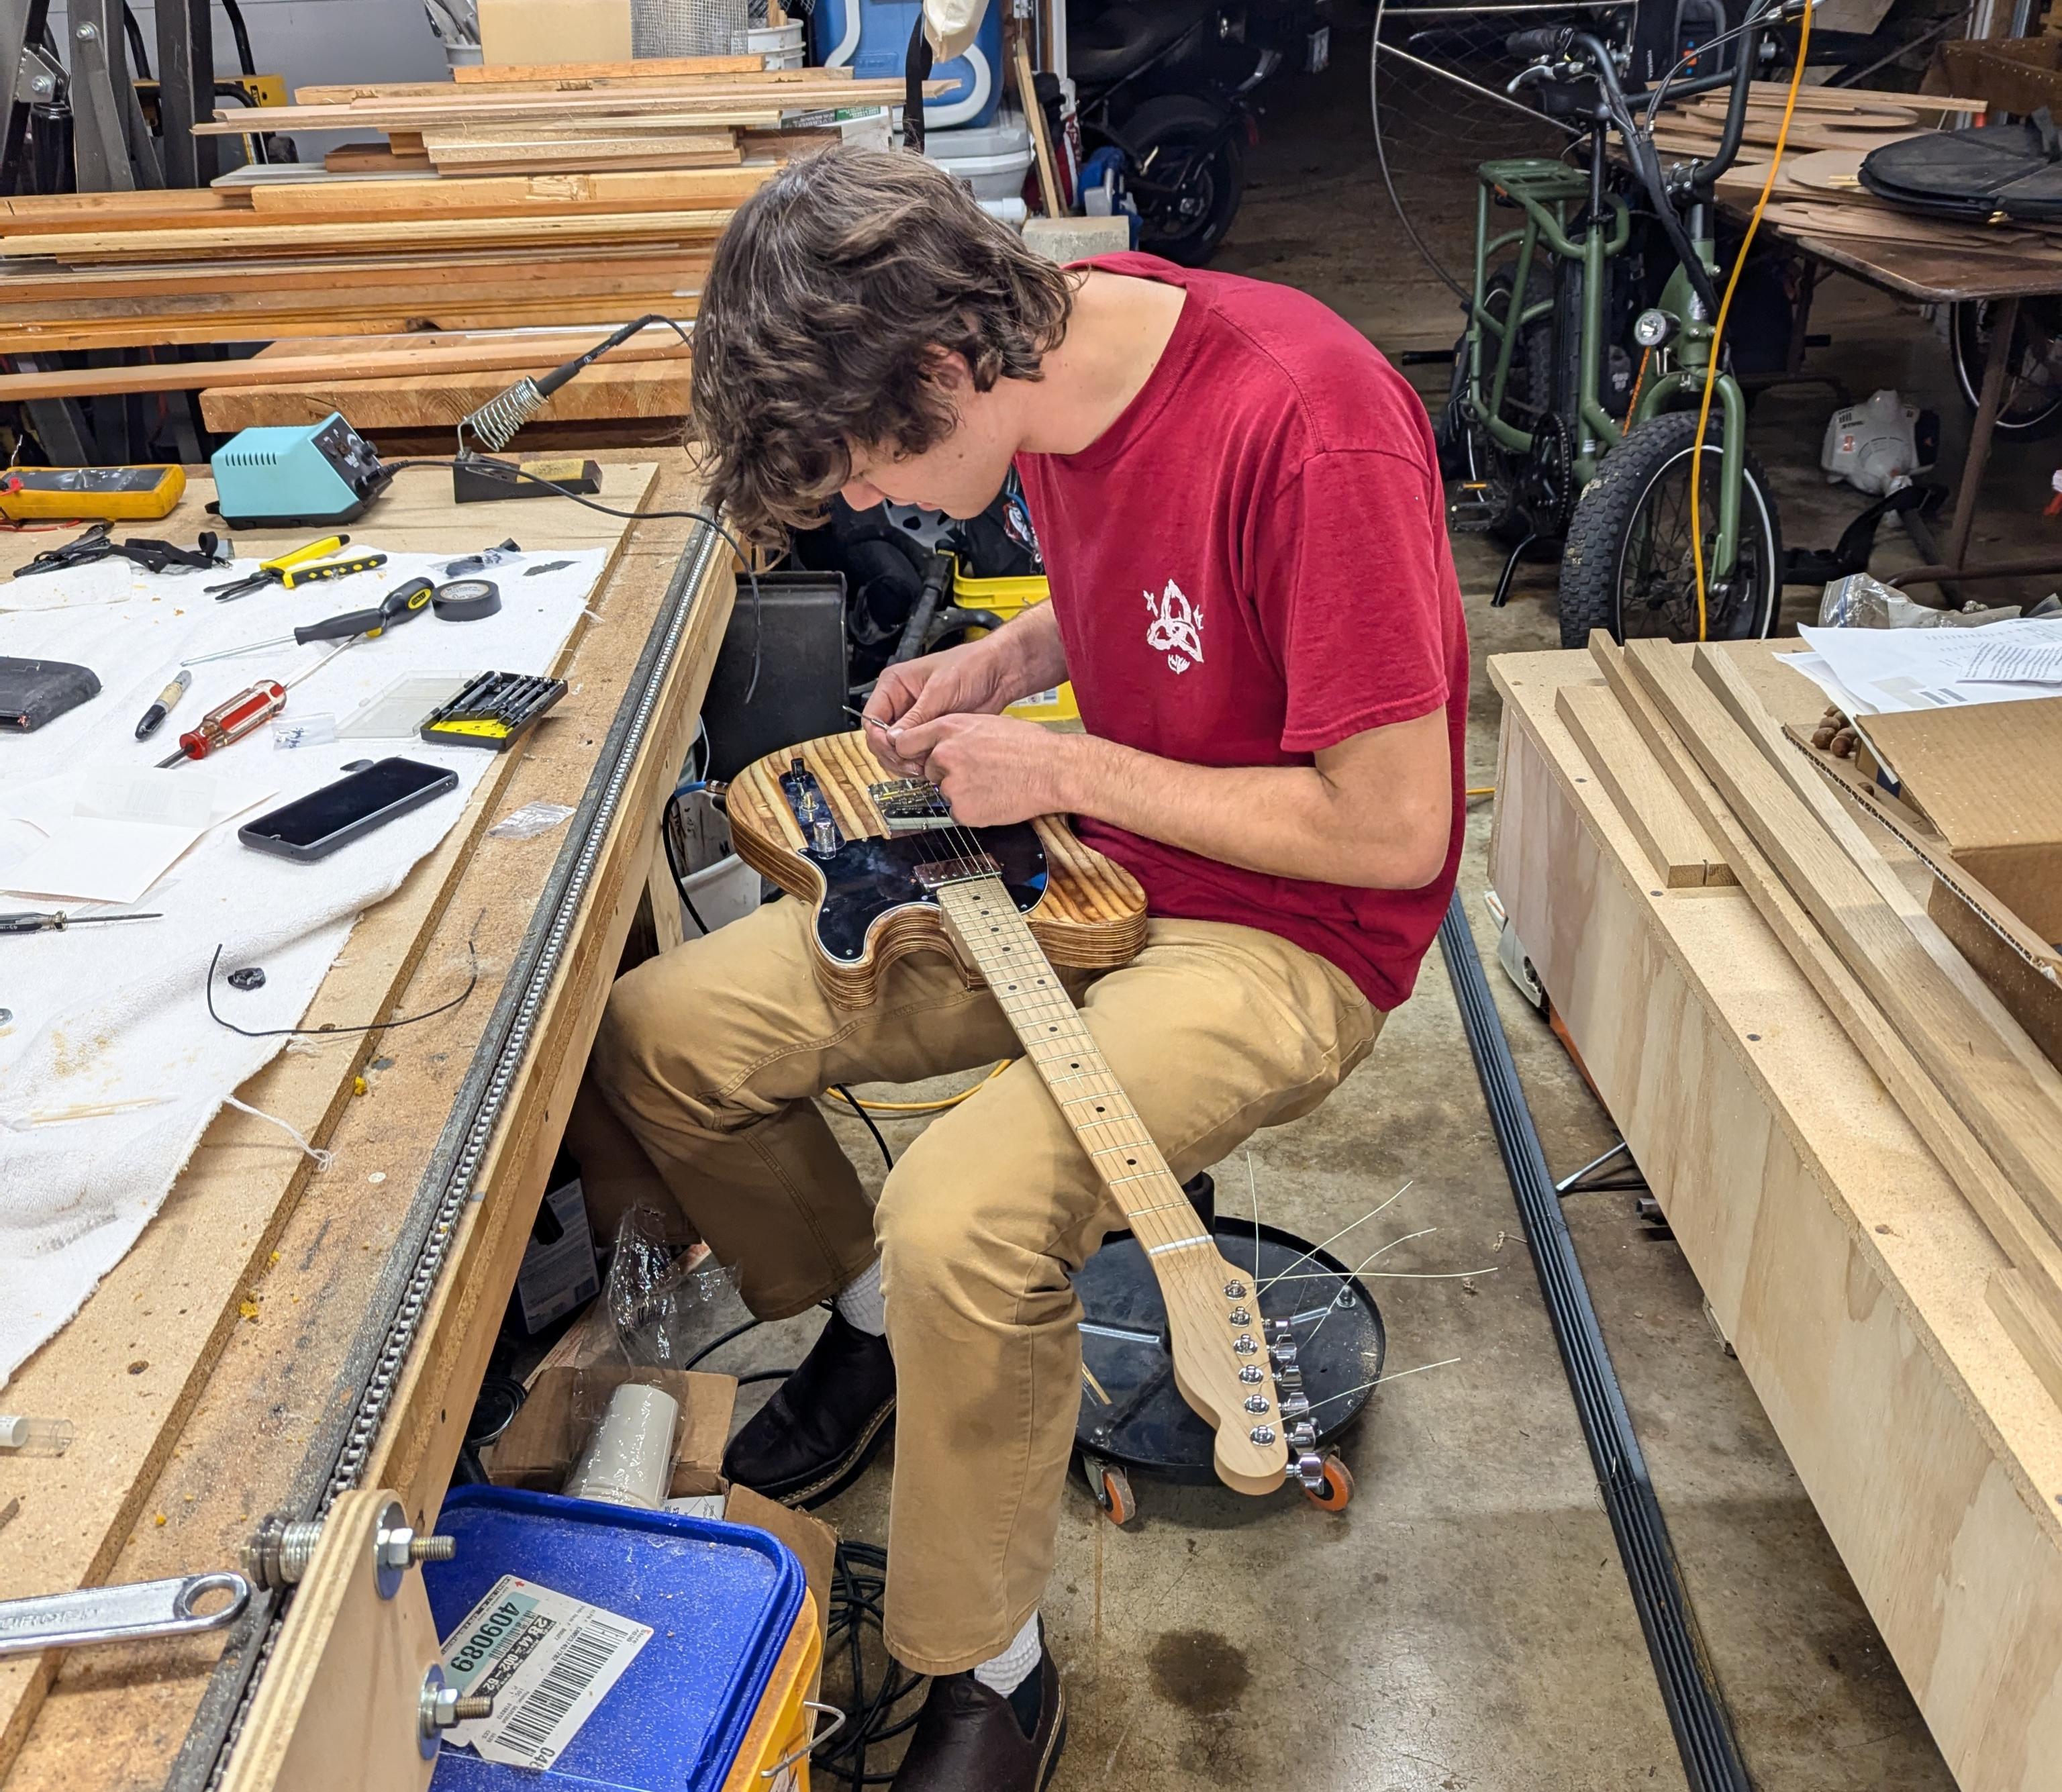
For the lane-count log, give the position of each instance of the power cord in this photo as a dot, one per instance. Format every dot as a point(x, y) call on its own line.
point(859, 1108)
point(859, 1588)
point(515, 471)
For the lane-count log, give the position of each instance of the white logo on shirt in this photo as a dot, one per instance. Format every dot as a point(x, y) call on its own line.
point(1176, 629)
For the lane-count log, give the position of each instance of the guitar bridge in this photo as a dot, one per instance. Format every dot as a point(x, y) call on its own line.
point(911, 805)
point(935, 874)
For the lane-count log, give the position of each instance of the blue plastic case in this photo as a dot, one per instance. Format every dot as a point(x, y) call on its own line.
point(721, 1600)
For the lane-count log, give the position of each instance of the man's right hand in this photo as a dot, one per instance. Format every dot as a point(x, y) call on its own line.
point(972, 679)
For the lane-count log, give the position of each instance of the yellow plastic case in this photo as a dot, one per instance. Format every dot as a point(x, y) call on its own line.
point(89, 494)
point(775, 1754)
point(1012, 597)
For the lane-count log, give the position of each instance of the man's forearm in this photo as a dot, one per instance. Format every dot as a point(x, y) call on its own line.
point(1290, 820)
point(1029, 646)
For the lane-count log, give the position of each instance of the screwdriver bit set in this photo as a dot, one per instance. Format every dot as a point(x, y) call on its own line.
point(492, 711)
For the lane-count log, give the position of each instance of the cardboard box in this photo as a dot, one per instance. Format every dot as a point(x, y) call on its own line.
point(538, 1450)
point(1976, 793)
point(518, 32)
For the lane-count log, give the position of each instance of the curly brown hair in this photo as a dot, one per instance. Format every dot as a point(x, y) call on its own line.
point(827, 304)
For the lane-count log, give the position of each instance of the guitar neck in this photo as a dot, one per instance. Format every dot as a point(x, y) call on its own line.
point(1057, 1040)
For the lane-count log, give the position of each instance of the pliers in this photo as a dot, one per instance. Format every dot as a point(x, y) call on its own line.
point(303, 566)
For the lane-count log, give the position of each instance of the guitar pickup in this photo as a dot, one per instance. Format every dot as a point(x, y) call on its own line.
point(934, 874)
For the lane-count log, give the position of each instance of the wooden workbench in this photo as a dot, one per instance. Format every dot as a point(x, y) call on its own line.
point(212, 1373)
point(1839, 1261)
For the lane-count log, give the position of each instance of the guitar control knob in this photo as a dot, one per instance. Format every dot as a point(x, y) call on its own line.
point(1238, 1315)
point(1256, 1403)
point(1243, 1344)
point(1250, 1372)
point(824, 837)
point(1262, 1434)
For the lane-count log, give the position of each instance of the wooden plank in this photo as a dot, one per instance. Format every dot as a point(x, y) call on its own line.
point(657, 395)
point(416, 233)
point(1681, 851)
point(486, 74)
point(1841, 1263)
point(746, 75)
point(509, 356)
point(239, 1447)
point(1908, 1019)
point(518, 196)
point(710, 105)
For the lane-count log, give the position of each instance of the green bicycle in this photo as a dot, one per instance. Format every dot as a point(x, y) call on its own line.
point(1591, 451)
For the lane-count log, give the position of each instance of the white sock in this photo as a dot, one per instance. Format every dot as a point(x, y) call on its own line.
point(1004, 1674)
point(860, 1303)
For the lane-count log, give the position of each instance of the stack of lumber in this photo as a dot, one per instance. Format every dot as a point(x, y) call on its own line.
point(575, 197)
point(1963, 1071)
point(1818, 191)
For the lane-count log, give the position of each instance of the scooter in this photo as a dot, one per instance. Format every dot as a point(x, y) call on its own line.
point(1170, 84)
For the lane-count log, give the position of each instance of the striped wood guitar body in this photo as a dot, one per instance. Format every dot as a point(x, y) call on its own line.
point(889, 873)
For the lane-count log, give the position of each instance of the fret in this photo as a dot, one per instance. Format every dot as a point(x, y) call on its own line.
point(1178, 1244)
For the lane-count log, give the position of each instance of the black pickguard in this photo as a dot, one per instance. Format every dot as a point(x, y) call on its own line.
point(865, 880)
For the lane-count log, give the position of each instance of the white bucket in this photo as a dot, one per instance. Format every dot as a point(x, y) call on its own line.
point(993, 159)
point(726, 891)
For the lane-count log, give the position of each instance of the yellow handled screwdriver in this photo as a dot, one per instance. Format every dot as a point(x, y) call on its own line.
point(403, 603)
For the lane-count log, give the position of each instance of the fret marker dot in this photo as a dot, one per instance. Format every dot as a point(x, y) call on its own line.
point(1132, 1160)
point(1098, 1110)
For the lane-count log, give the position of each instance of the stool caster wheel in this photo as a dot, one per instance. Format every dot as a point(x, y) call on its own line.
point(1112, 1488)
point(1337, 1490)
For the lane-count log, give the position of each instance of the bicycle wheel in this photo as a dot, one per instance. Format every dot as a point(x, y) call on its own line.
point(1628, 567)
point(2031, 406)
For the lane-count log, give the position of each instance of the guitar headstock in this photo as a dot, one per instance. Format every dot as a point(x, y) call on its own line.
point(1239, 1373)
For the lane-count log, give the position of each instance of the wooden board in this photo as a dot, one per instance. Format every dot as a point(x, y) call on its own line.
point(1840, 1261)
point(364, 359)
point(214, 1434)
point(739, 74)
point(656, 394)
point(1682, 853)
point(487, 73)
point(1992, 1076)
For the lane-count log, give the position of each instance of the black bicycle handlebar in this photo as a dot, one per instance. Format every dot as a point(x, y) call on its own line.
point(1543, 40)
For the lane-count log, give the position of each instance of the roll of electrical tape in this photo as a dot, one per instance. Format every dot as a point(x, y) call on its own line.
point(466, 599)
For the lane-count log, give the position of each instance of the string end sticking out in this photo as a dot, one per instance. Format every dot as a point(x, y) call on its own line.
point(322, 1158)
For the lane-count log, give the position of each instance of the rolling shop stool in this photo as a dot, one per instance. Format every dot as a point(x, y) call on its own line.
point(1133, 1416)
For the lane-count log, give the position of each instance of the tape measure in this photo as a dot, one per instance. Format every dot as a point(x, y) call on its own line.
point(466, 599)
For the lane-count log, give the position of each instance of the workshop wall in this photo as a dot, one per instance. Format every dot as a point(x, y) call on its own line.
point(316, 40)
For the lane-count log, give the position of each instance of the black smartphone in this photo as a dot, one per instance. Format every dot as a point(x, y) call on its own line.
point(317, 823)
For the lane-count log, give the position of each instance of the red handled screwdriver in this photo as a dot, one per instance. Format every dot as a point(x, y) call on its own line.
point(233, 719)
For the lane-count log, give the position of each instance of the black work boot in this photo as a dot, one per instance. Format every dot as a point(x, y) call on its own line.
point(823, 1423)
point(969, 1739)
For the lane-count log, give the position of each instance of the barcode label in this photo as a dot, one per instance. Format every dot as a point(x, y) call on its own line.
point(547, 1659)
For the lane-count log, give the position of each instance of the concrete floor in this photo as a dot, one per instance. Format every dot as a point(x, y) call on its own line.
point(1465, 1624)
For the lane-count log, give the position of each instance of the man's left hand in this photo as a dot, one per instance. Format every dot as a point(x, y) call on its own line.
point(993, 769)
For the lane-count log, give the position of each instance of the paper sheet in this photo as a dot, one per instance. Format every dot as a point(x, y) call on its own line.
point(126, 830)
point(1887, 671)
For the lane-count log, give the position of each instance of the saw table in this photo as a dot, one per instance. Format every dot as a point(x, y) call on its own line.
point(276, 1343)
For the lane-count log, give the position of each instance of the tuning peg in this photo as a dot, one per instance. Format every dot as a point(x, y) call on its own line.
point(1309, 1467)
point(1288, 1380)
point(1294, 1406)
point(1302, 1436)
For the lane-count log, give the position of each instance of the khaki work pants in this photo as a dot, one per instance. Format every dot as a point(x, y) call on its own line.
point(710, 1055)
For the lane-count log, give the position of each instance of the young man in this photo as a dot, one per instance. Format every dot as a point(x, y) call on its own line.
point(1240, 513)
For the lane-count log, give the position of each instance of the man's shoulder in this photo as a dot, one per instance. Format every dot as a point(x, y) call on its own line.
point(1299, 365)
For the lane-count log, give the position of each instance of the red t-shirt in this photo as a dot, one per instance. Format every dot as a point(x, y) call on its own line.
point(1250, 564)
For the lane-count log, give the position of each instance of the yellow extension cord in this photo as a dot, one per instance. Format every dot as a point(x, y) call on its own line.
point(918, 1107)
point(1718, 329)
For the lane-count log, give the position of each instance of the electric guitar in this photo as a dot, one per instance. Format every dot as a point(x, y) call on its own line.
point(890, 871)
